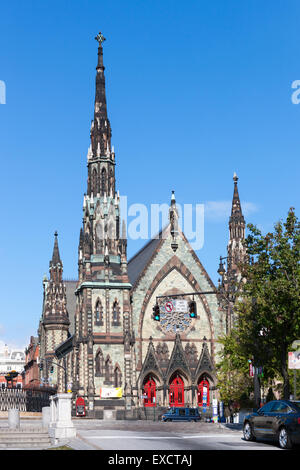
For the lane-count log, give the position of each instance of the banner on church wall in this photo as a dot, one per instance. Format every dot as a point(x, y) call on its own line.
point(111, 392)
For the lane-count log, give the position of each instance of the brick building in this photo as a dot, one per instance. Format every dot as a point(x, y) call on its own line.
point(31, 377)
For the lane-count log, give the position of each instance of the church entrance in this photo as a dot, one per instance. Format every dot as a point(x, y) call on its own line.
point(149, 392)
point(176, 396)
point(203, 393)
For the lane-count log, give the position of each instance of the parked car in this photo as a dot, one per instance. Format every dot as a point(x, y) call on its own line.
point(278, 420)
point(181, 414)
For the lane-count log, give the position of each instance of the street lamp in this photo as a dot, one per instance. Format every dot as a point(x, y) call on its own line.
point(64, 367)
point(226, 291)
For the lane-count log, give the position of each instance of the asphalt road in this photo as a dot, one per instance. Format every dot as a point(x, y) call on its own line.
point(163, 436)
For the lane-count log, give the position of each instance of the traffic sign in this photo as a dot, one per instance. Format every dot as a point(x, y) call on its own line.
point(169, 307)
point(181, 306)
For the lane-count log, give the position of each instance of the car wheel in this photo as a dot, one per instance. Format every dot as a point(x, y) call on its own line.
point(247, 432)
point(284, 439)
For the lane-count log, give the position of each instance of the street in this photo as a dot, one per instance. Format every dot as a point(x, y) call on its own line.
point(162, 436)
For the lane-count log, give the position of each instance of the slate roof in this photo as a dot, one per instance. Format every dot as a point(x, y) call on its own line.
point(71, 303)
point(138, 262)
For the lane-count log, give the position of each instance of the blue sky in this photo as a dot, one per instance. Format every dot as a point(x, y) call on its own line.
point(196, 91)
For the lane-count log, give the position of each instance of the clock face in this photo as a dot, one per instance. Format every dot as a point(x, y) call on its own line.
point(172, 321)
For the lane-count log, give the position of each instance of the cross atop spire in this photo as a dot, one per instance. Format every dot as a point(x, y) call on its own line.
point(100, 38)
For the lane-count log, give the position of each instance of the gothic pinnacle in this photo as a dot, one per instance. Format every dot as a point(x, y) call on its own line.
point(55, 256)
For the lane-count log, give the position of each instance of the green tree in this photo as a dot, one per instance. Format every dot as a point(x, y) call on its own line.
point(232, 370)
point(268, 312)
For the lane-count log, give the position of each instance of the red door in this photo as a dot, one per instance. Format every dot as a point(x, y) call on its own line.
point(203, 391)
point(177, 392)
point(150, 391)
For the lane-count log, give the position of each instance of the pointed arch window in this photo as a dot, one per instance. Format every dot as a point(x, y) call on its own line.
point(116, 314)
point(103, 181)
point(99, 364)
point(117, 377)
point(98, 313)
point(94, 182)
point(108, 371)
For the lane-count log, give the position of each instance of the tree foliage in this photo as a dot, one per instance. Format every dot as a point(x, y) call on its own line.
point(268, 310)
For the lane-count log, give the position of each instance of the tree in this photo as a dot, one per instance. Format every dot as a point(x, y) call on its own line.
point(268, 311)
point(232, 370)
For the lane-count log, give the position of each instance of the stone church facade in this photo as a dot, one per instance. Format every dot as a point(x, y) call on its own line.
point(98, 338)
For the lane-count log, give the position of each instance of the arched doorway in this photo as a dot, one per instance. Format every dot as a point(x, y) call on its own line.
point(203, 393)
point(176, 394)
point(149, 392)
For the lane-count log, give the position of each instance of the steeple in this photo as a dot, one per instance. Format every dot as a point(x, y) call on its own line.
point(55, 265)
point(235, 249)
point(100, 98)
point(101, 156)
point(236, 220)
point(103, 289)
point(173, 218)
point(100, 238)
point(55, 256)
point(55, 305)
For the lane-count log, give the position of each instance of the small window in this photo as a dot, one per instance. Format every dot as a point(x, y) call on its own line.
point(267, 408)
point(98, 313)
point(192, 412)
point(115, 314)
point(182, 412)
point(280, 407)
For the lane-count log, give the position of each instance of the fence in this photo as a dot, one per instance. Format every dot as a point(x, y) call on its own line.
point(24, 400)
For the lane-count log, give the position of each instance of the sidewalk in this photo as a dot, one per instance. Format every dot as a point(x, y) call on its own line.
point(233, 426)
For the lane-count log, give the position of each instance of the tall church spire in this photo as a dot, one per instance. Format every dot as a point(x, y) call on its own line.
point(100, 98)
point(100, 235)
point(101, 157)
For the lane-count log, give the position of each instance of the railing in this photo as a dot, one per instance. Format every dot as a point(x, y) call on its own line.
point(24, 400)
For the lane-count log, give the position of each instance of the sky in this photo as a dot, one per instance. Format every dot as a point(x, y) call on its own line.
point(196, 91)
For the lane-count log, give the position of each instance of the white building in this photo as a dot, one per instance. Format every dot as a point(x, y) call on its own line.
point(11, 359)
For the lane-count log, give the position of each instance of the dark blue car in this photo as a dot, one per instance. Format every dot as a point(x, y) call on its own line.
point(278, 420)
point(181, 414)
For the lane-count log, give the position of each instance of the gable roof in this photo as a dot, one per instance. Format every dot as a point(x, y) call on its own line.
point(140, 260)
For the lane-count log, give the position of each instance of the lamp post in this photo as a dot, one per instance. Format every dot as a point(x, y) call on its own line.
point(64, 367)
point(226, 291)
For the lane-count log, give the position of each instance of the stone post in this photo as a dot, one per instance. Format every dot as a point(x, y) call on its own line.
point(61, 427)
point(46, 416)
point(13, 418)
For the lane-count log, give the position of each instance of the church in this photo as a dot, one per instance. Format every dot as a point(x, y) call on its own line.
point(122, 337)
